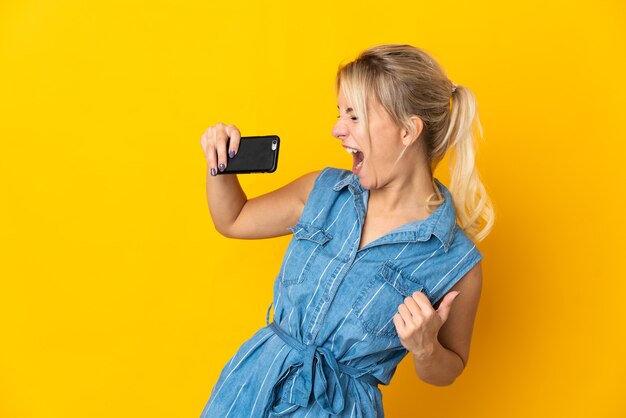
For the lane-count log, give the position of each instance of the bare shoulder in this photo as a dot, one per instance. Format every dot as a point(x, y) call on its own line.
point(456, 332)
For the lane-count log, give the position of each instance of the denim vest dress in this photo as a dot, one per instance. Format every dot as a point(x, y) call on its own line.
point(332, 339)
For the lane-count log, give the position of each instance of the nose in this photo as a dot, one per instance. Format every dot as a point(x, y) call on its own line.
point(339, 130)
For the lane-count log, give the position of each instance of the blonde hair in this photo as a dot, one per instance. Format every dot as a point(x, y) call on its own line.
point(407, 81)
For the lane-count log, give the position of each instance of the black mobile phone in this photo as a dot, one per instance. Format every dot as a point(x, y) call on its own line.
point(256, 154)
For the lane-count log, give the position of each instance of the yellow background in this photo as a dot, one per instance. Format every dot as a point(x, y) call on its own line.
point(119, 299)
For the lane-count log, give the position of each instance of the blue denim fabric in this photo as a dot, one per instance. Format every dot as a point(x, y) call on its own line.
point(332, 339)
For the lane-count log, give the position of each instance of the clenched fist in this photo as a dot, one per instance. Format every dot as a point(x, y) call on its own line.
point(418, 323)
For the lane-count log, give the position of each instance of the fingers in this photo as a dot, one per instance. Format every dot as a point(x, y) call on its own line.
point(220, 143)
point(415, 309)
point(235, 137)
point(211, 160)
point(418, 304)
point(446, 305)
point(404, 320)
point(208, 146)
point(405, 314)
point(400, 324)
point(215, 142)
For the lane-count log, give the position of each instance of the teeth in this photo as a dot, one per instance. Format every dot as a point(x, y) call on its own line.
point(351, 150)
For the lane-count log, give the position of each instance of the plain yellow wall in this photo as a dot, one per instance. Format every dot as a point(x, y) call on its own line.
point(119, 299)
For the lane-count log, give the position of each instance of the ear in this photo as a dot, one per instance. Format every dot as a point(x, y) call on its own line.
point(409, 137)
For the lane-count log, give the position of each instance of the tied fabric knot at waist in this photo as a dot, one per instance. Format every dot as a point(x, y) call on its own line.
point(315, 371)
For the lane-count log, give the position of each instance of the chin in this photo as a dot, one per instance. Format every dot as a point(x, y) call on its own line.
point(364, 182)
point(368, 181)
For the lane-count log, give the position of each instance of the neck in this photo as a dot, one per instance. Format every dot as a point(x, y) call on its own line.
point(406, 195)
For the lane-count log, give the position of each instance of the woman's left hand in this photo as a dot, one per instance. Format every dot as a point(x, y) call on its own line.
point(418, 323)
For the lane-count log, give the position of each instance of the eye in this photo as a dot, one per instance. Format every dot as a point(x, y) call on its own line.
point(352, 117)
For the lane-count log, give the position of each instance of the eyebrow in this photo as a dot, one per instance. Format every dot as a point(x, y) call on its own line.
point(348, 110)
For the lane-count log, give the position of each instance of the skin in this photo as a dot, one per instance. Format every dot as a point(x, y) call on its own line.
point(438, 338)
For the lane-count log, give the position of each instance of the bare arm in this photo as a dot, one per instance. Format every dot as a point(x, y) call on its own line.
point(265, 216)
point(235, 216)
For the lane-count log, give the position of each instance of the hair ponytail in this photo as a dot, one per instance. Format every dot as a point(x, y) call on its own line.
point(472, 204)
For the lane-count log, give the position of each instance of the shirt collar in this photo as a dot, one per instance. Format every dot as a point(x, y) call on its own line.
point(440, 223)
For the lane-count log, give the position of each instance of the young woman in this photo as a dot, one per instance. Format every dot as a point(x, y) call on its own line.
point(375, 264)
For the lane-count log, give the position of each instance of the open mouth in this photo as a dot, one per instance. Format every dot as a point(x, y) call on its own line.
point(358, 158)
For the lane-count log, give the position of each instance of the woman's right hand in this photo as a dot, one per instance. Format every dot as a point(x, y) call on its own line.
point(236, 216)
point(214, 141)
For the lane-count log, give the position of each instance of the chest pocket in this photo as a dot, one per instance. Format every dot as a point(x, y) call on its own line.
point(378, 301)
point(303, 252)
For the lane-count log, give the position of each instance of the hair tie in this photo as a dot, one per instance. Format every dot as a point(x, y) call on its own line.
point(454, 86)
